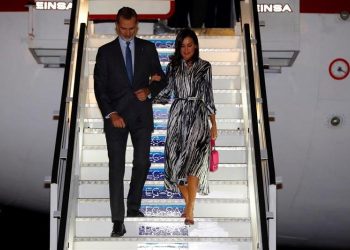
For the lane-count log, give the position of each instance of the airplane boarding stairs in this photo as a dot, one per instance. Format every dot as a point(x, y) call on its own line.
point(221, 218)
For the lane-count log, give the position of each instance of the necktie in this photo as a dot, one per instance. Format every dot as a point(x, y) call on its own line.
point(128, 61)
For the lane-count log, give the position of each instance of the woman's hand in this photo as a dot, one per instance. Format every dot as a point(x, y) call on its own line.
point(155, 77)
point(142, 94)
point(213, 132)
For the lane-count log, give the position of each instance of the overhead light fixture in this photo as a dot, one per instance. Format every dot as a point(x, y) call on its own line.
point(50, 53)
point(280, 58)
point(50, 58)
point(274, 60)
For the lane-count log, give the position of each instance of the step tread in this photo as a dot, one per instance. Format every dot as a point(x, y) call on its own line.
point(224, 120)
point(156, 183)
point(235, 132)
point(215, 91)
point(167, 106)
point(170, 202)
point(166, 227)
point(99, 171)
point(163, 243)
point(160, 239)
point(165, 219)
point(156, 165)
point(217, 63)
point(161, 148)
point(168, 36)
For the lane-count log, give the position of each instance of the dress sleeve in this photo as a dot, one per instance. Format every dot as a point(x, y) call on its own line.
point(209, 96)
point(156, 87)
point(164, 95)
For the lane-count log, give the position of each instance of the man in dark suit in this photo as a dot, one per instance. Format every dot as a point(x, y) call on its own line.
point(123, 92)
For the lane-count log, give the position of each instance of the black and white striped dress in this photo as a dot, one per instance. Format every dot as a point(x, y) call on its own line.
point(188, 131)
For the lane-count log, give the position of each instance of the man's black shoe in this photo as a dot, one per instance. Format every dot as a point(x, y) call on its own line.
point(135, 214)
point(118, 229)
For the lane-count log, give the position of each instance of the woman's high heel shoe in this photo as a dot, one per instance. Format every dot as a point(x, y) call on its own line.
point(189, 219)
point(189, 222)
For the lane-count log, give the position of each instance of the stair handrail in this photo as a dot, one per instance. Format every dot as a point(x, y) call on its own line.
point(264, 104)
point(265, 170)
point(262, 237)
point(66, 129)
point(61, 134)
point(66, 197)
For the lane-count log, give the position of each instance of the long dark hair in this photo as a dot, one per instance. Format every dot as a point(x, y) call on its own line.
point(175, 59)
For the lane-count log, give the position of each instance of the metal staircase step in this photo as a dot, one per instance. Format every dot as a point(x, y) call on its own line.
point(156, 190)
point(99, 154)
point(217, 69)
point(219, 82)
point(226, 82)
point(160, 124)
point(225, 138)
point(166, 227)
point(167, 42)
point(211, 55)
point(212, 243)
point(99, 171)
point(220, 97)
point(205, 208)
point(224, 111)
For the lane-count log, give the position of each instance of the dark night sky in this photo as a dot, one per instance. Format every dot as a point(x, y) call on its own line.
point(23, 229)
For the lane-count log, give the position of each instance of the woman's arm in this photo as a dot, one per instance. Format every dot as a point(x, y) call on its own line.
point(213, 130)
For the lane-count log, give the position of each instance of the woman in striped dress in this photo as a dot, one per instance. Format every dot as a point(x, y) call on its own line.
point(187, 146)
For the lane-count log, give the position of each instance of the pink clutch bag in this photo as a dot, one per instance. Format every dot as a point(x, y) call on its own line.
point(214, 157)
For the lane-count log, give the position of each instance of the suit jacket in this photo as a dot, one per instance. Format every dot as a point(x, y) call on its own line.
point(112, 88)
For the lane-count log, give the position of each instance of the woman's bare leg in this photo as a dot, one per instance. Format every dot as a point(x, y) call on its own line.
point(184, 191)
point(192, 185)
